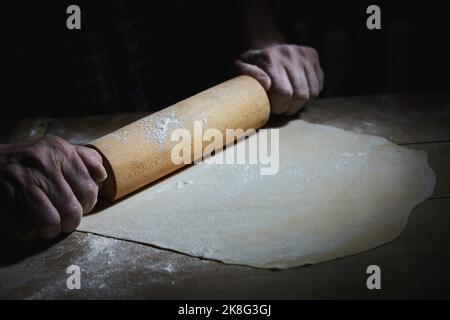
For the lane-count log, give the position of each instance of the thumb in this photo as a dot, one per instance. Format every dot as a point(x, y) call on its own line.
point(255, 72)
point(93, 162)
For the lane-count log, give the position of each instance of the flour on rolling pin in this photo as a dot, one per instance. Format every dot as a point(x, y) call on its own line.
point(140, 152)
point(157, 128)
point(120, 135)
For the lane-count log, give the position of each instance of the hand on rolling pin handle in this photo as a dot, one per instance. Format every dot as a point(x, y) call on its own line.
point(291, 75)
point(46, 186)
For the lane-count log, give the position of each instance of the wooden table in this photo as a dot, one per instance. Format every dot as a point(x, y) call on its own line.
point(416, 265)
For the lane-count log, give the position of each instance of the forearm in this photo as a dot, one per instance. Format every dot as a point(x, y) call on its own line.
point(3, 146)
point(261, 29)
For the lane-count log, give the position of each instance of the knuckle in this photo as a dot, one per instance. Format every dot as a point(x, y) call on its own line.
point(91, 190)
point(44, 155)
point(314, 89)
point(58, 144)
point(98, 156)
point(312, 51)
point(73, 209)
point(286, 51)
point(38, 158)
point(270, 53)
point(89, 196)
point(54, 140)
point(49, 219)
point(295, 50)
point(33, 155)
point(283, 91)
point(300, 95)
point(93, 154)
point(308, 52)
point(314, 55)
point(72, 216)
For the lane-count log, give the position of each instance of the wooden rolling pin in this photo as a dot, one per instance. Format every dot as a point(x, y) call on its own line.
point(140, 152)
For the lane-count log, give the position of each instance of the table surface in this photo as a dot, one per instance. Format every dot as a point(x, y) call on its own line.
point(415, 265)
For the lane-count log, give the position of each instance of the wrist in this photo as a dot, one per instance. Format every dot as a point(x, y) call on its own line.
point(261, 28)
point(4, 146)
point(4, 149)
point(262, 42)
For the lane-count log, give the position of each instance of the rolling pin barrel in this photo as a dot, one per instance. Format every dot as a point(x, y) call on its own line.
point(140, 152)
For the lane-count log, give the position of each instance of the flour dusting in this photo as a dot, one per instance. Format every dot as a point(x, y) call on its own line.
point(121, 135)
point(156, 127)
point(100, 246)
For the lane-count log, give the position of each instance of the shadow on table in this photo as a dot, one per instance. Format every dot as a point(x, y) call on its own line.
point(278, 121)
point(13, 251)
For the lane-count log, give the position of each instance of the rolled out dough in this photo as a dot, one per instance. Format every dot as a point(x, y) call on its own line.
point(337, 193)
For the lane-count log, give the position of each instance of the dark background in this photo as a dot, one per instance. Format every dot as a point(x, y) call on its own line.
point(185, 47)
point(409, 53)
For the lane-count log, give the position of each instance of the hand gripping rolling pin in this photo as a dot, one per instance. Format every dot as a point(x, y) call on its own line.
point(140, 152)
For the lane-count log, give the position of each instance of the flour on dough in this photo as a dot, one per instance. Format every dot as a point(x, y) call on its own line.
point(337, 193)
